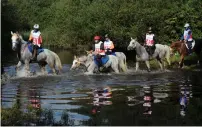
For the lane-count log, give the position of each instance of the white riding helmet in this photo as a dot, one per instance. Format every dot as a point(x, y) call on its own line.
point(36, 26)
point(186, 25)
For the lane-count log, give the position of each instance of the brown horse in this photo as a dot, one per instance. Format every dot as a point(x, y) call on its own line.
point(183, 51)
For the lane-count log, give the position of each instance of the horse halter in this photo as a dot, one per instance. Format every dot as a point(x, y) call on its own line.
point(18, 39)
point(78, 62)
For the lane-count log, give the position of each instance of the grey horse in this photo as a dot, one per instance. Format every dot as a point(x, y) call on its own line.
point(122, 61)
point(161, 51)
point(24, 55)
point(121, 58)
point(89, 63)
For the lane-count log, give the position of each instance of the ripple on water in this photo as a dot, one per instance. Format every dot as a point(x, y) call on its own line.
point(72, 92)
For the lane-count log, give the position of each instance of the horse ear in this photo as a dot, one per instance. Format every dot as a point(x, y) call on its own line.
point(87, 51)
point(131, 38)
point(75, 57)
point(11, 32)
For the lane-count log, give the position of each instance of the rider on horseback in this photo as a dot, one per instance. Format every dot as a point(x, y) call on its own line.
point(187, 37)
point(108, 45)
point(98, 49)
point(36, 39)
point(150, 41)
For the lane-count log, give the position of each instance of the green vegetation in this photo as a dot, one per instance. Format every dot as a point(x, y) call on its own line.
point(70, 23)
point(15, 117)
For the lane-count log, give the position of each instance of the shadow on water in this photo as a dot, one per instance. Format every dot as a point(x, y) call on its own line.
point(157, 98)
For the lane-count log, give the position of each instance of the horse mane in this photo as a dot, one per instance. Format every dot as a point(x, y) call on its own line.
point(176, 43)
point(21, 38)
point(138, 48)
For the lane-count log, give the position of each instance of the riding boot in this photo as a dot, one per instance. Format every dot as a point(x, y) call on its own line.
point(189, 44)
point(34, 54)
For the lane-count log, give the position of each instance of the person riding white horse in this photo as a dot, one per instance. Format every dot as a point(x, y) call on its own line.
point(108, 46)
point(187, 37)
point(98, 50)
point(24, 54)
point(150, 41)
point(36, 39)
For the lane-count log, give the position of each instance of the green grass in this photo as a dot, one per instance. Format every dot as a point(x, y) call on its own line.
point(189, 62)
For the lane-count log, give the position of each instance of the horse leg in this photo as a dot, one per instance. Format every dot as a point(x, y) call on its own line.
point(27, 67)
point(53, 69)
point(42, 67)
point(137, 66)
point(181, 61)
point(148, 65)
point(90, 69)
point(115, 67)
point(160, 63)
point(168, 59)
point(164, 64)
point(18, 65)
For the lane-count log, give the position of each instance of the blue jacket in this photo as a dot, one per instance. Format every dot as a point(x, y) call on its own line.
point(189, 34)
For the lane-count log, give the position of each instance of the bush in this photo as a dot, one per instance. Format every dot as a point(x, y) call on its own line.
point(69, 23)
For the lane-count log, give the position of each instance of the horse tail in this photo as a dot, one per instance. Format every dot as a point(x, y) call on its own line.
point(168, 55)
point(57, 62)
point(122, 66)
point(125, 63)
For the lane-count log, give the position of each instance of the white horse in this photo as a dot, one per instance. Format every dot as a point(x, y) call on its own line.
point(24, 55)
point(89, 63)
point(121, 58)
point(161, 51)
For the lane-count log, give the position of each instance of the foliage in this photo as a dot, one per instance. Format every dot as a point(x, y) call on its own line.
point(69, 23)
point(16, 117)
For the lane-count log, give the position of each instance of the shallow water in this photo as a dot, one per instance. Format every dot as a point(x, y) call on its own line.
point(140, 98)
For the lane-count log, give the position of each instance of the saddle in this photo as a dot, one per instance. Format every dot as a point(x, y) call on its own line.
point(31, 48)
point(110, 53)
point(150, 49)
point(192, 44)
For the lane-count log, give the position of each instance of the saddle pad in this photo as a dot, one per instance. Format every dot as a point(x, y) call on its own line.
point(113, 53)
point(30, 47)
point(40, 50)
point(104, 60)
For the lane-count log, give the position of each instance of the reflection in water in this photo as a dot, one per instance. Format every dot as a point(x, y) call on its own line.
point(72, 93)
point(185, 95)
point(101, 97)
point(34, 98)
point(148, 98)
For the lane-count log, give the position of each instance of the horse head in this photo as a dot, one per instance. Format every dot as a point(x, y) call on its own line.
point(132, 44)
point(16, 40)
point(78, 61)
point(175, 46)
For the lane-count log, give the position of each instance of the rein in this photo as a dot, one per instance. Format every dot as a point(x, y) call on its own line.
point(81, 63)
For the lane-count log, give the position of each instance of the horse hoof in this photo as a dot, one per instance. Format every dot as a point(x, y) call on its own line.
point(149, 70)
